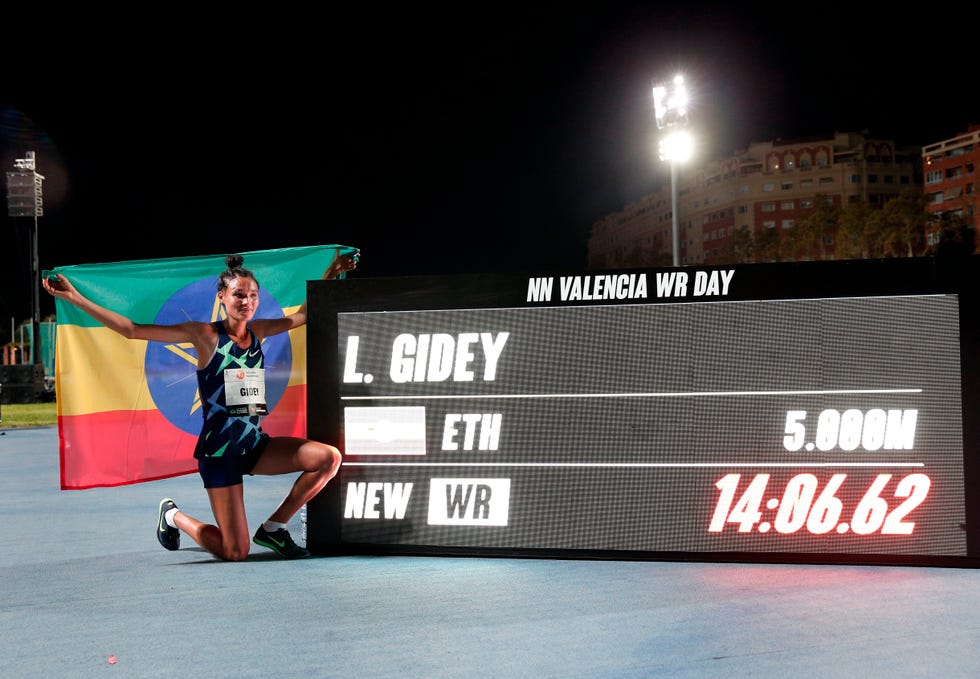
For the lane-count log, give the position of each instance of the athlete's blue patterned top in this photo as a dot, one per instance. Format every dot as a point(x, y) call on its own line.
point(224, 434)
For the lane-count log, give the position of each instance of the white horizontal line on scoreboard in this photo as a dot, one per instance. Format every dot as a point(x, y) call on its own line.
point(662, 394)
point(726, 465)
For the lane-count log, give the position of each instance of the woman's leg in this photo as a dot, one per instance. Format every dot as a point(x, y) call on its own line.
point(229, 540)
point(319, 463)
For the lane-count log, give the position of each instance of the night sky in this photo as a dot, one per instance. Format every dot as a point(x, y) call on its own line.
point(475, 139)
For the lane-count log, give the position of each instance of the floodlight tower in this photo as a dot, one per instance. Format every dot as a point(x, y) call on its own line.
point(24, 199)
point(676, 143)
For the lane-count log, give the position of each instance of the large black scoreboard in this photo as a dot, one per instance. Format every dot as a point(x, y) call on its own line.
point(815, 412)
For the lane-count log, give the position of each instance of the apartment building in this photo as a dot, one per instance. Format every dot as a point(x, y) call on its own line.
point(949, 170)
point(770, 185)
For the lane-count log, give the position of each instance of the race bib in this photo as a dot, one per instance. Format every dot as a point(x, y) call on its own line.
point(245, 391)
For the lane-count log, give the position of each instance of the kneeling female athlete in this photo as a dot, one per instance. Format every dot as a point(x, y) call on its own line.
point(231, 443)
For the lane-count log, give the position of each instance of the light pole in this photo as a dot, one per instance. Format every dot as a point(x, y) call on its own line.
point(676, 145)
point(24, 199)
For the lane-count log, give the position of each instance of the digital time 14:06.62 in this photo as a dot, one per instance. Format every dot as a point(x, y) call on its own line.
point(805, 503)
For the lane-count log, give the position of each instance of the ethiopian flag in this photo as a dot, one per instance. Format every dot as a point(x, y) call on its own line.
point(128, 410)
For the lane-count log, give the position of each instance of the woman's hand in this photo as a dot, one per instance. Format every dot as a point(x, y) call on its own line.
point(60, 287)
point(341, 264)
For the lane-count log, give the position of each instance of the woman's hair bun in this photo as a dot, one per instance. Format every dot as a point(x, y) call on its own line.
point(234, 270)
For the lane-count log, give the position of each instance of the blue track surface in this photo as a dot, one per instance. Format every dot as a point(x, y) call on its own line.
point(85, 579)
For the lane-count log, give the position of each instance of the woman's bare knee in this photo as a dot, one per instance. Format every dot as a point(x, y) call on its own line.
point(331, 460)
point(325, 460)
point(237, 555)
point(235, 552)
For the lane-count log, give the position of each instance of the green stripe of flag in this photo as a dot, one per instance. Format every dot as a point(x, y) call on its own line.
point(138, 289)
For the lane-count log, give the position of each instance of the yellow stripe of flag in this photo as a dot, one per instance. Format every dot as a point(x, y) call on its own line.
point(117, 380)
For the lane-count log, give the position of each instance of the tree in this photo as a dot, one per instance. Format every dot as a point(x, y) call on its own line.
point(813, 236)
point(956, 236)
point(743, 247)
point(857, 234)
point(766, 245)
point(902, 231)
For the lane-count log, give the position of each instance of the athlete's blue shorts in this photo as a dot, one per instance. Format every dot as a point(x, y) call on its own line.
point(221, 472)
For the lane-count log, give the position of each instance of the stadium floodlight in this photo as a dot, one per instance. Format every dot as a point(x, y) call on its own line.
point(25, 199)
point(677, 146)
point(670, 106)
point(670, 103)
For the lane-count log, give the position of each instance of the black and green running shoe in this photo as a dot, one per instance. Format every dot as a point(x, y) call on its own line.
point(168, 536)
point(280, 542)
